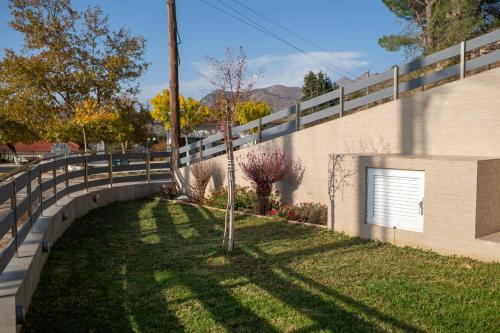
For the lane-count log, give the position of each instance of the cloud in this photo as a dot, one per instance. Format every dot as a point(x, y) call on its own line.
point(288, 70)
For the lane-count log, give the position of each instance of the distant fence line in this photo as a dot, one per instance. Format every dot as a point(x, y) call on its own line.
point(29, 193)
point(384, 86)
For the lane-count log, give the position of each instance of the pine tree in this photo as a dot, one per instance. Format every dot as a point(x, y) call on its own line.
point(432, 25)
point(316, 84)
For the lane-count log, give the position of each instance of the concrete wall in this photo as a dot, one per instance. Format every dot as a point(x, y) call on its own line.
point(19, 279)
point(460, 118)
point(450, 206)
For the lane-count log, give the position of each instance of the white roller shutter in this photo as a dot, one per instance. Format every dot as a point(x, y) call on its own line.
point(395, 198)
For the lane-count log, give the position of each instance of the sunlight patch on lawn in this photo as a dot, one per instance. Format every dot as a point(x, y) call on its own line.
point(263, 304)
point(217, 261)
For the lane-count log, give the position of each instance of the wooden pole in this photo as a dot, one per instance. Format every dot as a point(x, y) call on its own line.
point(174, 82)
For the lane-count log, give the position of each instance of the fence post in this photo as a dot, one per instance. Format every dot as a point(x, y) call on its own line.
point(148, 167)
point(54, 175)
point(66, 174)
point(341, 100)
point(201, 149)
point(13, 206)
point(30, 197)
point(40, 195)
point(395, 71)
point(85, 172)
point(110, 169)
point(297, 116)
point(259, 131)
point(462, 60)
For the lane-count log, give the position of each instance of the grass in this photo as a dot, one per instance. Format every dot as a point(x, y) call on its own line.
point(152, 266)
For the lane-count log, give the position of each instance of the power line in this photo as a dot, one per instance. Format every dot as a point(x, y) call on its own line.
point(332, 67)
point(294, 33)
point(252, 23)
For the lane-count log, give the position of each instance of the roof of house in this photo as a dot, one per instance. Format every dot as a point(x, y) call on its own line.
point(42, 147)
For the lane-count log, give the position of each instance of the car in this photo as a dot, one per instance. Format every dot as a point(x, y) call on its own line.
point(120, 162)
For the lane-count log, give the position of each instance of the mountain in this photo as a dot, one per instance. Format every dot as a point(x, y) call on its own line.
point(278, 97)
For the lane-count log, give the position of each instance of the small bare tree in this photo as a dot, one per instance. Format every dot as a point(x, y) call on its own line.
point(231, 82)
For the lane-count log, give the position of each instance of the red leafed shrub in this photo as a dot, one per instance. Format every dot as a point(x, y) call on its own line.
point(265, 169)
point(309, 212)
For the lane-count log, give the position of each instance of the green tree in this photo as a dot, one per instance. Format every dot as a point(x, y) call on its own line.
point(432, 25)
point(132, 123)
point(68, 58)
point(316, 84)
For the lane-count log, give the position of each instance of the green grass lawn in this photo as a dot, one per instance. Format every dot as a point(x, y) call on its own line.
point(152, 266)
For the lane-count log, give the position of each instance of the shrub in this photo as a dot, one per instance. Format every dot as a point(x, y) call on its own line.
point(245, 199)
point(167, 192)
point(265, 169)
point(202, 171)
point(309, 212)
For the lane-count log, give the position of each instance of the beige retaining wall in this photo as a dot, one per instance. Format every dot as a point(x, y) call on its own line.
point(19, 279)
point(461, 118)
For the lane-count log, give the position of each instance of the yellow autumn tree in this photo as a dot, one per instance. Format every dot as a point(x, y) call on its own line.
point(89, 114)
point(251, 110)
point(192, 113)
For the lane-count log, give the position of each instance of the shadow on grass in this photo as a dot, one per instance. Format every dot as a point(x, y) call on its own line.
point(151, 266)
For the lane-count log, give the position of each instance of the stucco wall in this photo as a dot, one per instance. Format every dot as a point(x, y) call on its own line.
point(450, 206)
point(460, 118)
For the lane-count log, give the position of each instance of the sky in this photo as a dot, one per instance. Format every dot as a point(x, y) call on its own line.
point(343, 36)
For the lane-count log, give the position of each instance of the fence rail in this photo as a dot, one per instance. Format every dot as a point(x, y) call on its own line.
point(374, 89)
point(26, 193)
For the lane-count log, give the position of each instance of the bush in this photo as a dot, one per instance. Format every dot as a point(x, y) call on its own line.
point(309, 212)
point(245, 199)
point(167, 192)
point(202, 172)
point(265, 169)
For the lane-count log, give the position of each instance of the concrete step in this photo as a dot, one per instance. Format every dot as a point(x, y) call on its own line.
point(494, 237)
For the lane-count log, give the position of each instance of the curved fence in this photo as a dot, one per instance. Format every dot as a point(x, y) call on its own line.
point(27, 192)
point(441, 67)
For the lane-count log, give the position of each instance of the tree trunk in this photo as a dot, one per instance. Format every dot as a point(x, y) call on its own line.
point(12, 150)
point(229, 220)
point(428, 33)
point(84, 140)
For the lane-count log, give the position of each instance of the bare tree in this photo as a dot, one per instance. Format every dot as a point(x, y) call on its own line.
point(231, 81)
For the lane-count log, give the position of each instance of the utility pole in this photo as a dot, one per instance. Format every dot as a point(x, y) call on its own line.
point(174, 83)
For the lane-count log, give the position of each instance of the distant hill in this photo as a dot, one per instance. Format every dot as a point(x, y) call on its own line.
point(278, 97)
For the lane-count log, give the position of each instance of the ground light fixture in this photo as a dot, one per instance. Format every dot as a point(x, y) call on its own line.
point(19, 314)
point(45, 246)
